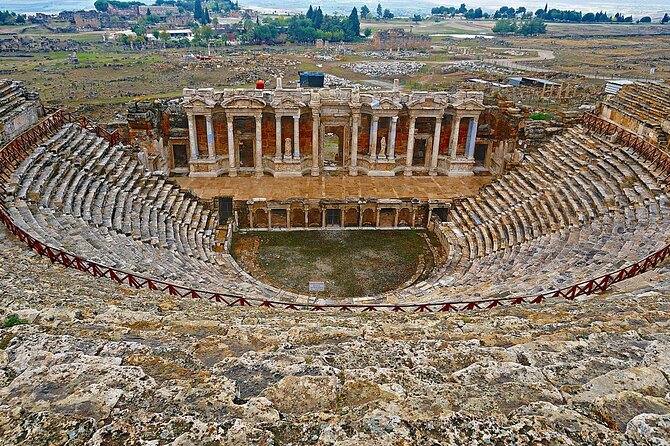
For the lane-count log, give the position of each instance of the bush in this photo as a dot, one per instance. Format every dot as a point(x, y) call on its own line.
point(12, 320)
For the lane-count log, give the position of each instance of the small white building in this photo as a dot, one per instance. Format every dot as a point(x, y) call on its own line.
point(178, 34)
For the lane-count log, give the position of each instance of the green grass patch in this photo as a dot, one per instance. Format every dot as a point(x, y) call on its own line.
point(541, 116)
point(13, 320)
point(351, 263)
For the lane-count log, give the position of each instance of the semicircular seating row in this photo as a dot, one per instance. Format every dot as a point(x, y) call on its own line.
point(577, 208)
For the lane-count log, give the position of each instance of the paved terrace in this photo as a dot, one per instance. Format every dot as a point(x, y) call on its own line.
point(340, 187)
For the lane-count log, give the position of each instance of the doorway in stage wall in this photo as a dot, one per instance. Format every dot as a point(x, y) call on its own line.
point(246, 153)
point(333, 147)
point(480, 155)
point(419, 157)
point(179, 155)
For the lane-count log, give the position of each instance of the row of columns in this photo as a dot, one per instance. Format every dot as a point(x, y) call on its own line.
point(356, 118)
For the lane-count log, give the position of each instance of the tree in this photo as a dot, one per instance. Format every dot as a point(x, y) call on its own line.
point(380, 12)
point(388, 14)
point(365, 11)
point(206, 32)
point(354, 24)
point(417, 18)
point(205, 17)
point(318, 18)
point(156, 33)
point(666, 18)
point(140, 30)
point(301, 29)
point(533, 27)
point(264, 34)
point(197, 10)
point(310, 13)
point(589, 17)
point(504, 26)
point(645, 19)
point(462, 9)
point(163, 36)
point(101, 5)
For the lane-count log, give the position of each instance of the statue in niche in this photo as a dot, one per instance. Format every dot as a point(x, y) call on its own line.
point(382, 147)
point(288, 148)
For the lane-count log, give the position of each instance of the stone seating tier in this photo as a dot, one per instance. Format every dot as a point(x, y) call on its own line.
point(579, 207)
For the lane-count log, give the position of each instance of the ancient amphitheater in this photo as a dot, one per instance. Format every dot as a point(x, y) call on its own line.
point(548, 320)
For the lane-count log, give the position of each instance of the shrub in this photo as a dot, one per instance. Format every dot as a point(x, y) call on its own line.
point(12, 320)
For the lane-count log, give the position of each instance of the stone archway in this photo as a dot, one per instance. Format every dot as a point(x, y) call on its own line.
point(297, 218)
point(351, 218)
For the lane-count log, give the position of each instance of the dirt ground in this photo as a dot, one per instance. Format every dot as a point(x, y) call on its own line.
point(351, 263)
point(108, 75)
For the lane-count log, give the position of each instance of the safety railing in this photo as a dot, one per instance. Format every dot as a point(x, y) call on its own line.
point(23, 144)
point(652, 153)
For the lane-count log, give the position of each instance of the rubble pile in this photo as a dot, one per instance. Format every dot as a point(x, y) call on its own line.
point(332, 81)
point(13, 43)
point(394, 55)
point(385, 69)
point(478, 66)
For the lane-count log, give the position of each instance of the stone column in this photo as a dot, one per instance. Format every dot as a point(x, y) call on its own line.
point(395, 220)
point(410, 146)
point(232, 171)
point(391, 141)
point(193, 137)
point(453, 140)
point(296, 136)
point(472, 139)
point(278, 137)
point(258, 150)
point(211, 148)
point(373, 136)
point(356, 118)
point(269, 218)
point(436, 145)
point(315, 142)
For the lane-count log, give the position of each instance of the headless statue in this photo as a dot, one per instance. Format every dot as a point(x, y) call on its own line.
point(288, 148)
point(382, 148)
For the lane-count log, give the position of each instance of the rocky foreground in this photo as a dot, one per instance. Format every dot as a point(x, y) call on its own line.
point(99, 364)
